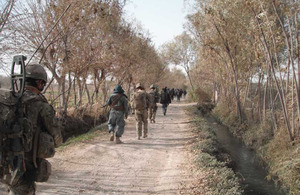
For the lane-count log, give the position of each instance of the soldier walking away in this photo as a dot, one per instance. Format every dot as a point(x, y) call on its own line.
point(184, 93)
point(154, 99)
point(118, 111)
point(141, 104)
point(43, 134)
point(165, 99)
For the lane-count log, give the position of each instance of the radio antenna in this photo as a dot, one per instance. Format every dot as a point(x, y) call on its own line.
point(49, 33)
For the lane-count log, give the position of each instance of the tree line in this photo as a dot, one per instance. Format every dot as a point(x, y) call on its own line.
point(89, 41)
point(247, 53)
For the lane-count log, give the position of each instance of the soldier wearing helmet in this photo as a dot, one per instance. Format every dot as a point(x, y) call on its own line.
point(154, 99)
point(36, 77)
point(43, 124)
point(141, 101)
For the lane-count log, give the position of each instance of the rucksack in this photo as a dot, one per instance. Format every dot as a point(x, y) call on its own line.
point(15, 137)
point(16, 132)
point(140, 101)
point(164, 97)
point(152, 99)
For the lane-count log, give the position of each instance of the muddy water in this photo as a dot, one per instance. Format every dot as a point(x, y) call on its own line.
point(247, 166)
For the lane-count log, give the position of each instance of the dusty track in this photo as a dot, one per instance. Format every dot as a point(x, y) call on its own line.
point(158, 164)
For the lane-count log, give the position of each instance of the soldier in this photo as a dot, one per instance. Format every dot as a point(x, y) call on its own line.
point(184, 93)
point(141, 105)
point(154, 98)
point(165, 99)
point(43, 122)
point(119, 109)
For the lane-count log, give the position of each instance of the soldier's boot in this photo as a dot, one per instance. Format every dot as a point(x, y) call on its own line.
point(118, 141)
point(112, 136)
point(145, 135)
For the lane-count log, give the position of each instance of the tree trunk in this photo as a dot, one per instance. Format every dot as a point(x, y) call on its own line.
point(289, 45)
point(234, 69)
point(68, 94)
point(282, 101)
point(74, 89)
point(87, 92)
point(189, 76)
point(80, 91)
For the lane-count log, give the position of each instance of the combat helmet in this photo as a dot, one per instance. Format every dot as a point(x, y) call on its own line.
point(36, 71)
point(139, 85)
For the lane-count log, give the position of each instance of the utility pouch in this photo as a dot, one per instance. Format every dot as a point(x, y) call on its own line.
point(46, 147)
point(44, 171)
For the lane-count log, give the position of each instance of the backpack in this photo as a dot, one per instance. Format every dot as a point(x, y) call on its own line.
point(156, 97)
point(15, 137)
point(115, 102)
point(164, 99)
point(140, 101)
point(16, 131)
point(152, 99)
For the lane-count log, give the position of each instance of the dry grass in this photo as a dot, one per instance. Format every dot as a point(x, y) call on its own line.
point(215, 177)
point(278, 153)
point(284, 161)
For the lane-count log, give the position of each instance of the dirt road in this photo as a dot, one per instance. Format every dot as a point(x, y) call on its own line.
point(158, 164)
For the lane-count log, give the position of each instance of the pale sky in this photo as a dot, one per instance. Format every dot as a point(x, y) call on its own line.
point(164, 19)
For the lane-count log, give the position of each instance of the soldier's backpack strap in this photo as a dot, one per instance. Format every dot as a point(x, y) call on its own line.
point(115, 100)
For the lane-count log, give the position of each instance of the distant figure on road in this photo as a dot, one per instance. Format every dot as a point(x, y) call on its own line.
point(141, 104)
point(165, 99)
point(118, 111)
point(154, 99)
point(184, 93)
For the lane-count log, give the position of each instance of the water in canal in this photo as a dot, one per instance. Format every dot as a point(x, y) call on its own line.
point(247, 165)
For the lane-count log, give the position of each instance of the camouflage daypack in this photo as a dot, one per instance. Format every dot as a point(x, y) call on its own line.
point(15, 138)
point(152, 99)
point(15, 131)
point(140, 100)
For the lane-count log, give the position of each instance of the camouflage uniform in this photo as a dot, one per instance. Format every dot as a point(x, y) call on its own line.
point(154, 97)
point(119, 109)
point(141, 105)
point(42, 118)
